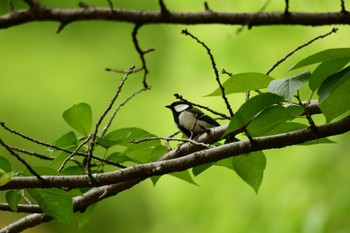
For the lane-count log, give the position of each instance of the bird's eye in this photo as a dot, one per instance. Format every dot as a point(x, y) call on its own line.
point(181, 107)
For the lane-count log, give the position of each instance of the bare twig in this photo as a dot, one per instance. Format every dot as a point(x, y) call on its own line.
point(104, 130)
point(35, 154)
point(141, 53)
point(30, 169)
point(163, 8)
point(87, 139)
point(87, 160)
point(286, 9)
point(185, 32)
point(334, 30)
point(343, 9)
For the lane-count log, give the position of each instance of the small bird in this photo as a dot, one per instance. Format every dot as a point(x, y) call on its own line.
point(191, 121)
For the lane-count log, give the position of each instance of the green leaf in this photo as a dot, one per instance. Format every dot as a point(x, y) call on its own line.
point(84, 217)
point(41, 170)
point(326, 55)
point(68, 139)
point(334, 95)
point(125, 135)
point(184, 175)
point(251, 108)
point(287, 87)
point(317, 141)
point(250, 167)
point(244, 82)
point(201, 168)
point(79, 117)
point(324, 70)
point(5, 164)
point(158, 152)
point(118, 157)
point(284, 128)
point(139, 153)
point(13, 197)
point(267, 120)
point(5, 177)
point(54, 203)
point(155, 179)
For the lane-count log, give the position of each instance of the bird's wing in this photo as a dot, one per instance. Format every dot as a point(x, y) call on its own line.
point(203, 117)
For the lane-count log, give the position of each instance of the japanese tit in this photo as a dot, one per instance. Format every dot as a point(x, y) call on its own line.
point(190, 120)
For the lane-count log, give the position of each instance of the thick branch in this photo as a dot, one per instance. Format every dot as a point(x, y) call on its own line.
point(190, 160)
point(154, 17)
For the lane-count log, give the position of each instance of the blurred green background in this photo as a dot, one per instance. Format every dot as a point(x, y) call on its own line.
point(305, 189)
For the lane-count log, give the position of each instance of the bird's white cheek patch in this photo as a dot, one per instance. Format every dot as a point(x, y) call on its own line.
point(181, 107)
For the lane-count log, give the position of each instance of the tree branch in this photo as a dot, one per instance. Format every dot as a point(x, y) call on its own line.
point(142, 17)
point(191, 159)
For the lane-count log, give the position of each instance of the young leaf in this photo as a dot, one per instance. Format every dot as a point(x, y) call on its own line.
point(287, 87)
point(267, 120)
point(250, 167)
point(334, 94)
point(13, 197)
point(324, 70)
point(326, 55)
point(66, 140)
point(251, 108)
point(5, 164)
point(5, 177)
point(244, 82)
point(54, 203)
point(79, 117)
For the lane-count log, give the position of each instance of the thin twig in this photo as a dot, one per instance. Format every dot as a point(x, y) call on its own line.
point(343, 9)
point(104, 130)
point(141, 53)
point(185, 32)
point(178, 96)
point(35, 154)
point(30, 169)
point(286, 9)
point(334, 30)
point(163, 8)
point(87, 160)
point(87, 139)
point(172, 139)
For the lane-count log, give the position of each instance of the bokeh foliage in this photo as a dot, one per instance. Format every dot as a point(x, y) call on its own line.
point(42, 74)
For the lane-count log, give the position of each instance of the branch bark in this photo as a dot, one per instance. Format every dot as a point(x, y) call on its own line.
point(141, 17)
point(193, 158)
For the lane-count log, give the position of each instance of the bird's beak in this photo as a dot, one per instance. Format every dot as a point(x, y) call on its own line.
point(168, 106)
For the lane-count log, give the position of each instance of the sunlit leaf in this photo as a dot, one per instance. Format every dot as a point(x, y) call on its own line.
point(54, 203)
point(79, 117)
point(326, 55)
point(118, 157)
point(267, 120)
point(287, 87)
point(250, 167)
point(66, 140)
point(251, 108)
point(284, 128)
point(157, 152)
point(324, 70)
point(333, 93)
point(244, 82)
point(13, 197)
